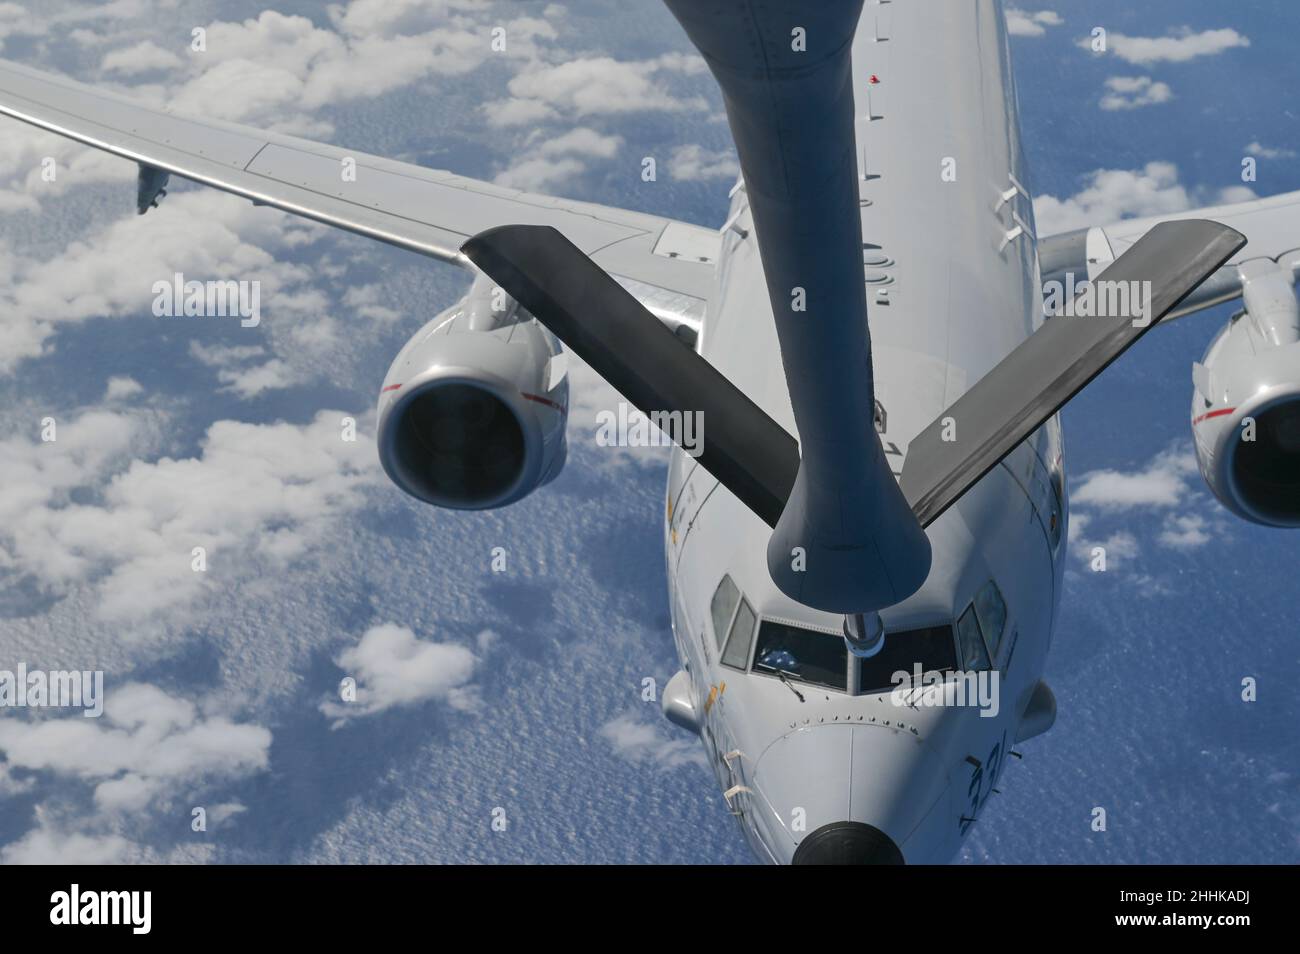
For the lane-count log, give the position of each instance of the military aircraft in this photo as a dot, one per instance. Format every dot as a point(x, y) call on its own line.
point(865, 552)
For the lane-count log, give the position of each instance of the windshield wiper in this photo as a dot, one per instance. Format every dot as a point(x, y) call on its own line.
point(780, 673)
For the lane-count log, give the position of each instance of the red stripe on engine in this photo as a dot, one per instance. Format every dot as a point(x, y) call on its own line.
point(1219, 413)
point(542, 400)
point(391, 387)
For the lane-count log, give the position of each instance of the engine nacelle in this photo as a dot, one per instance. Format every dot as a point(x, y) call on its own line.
point(472, 411)
point(1246, 404)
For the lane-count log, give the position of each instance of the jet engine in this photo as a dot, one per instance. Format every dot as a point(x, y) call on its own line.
point(472, 411)
point(1246, 402)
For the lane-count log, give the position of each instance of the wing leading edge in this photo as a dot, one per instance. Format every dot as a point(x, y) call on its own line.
point(429, 211)
point(1272, 225)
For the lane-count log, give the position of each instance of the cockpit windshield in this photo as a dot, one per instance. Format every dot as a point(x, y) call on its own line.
point(820, 659)
point(930, 648)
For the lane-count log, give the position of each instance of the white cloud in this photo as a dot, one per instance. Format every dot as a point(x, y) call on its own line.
point(222, 355)
point(392, 668)
point(395, 17)
point(237, 376)
point(1162, 483)
point(518, 112)
point(599, 85)
point(276, 64)
point(146, 745)
point(140, 58)
point(101, 12)
point(640, 741)
point(693, 163)
point(218, 815)
point(1167, 485)
point(1261, 151)
point(46, 846)
point(1026, 23)
point(40, 477)
point(1185, 532)
point(368, 302)
point(122, 388)
point(582, 142)
point(541, 173)
point(1184, 45)
point(275, 69)
point(273, 375)
point(11, 786)
point(544, 163)
point(1133, 92)
point(1114, 194)
point(259, 498)
point(28, 155)
point(204, 235)
point(149, 750)
point(17, 20)
point(1119, 546)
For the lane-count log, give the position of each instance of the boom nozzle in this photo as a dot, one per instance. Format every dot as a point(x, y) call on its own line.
point(864, 634)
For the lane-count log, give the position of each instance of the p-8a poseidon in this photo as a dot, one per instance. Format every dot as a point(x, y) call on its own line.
point(865, 555)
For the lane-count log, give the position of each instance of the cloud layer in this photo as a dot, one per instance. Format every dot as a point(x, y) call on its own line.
point(258, 498)
point(1183, 46)
point(1114, 194)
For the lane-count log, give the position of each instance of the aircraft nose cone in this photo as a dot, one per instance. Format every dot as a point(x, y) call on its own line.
point(847, 843)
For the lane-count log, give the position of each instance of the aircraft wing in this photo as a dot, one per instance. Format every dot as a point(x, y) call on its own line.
point(663, 262)
point(1271, 226)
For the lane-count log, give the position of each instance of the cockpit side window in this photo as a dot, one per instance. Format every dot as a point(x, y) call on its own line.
point(970, 642)
point(991, 610)
point(741, 639)
point(801, 655)
point(722, 608)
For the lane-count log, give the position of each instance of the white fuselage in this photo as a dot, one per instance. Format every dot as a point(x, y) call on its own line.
point(952, 286)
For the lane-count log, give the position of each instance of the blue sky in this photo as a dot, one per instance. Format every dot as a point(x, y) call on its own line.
point(521, 691)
